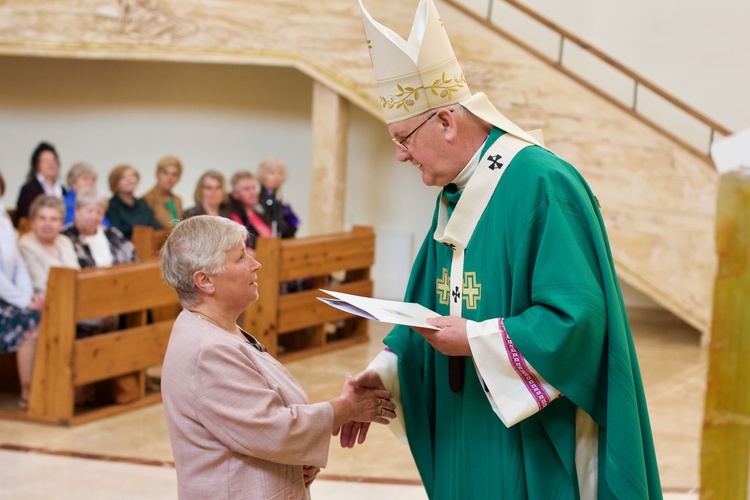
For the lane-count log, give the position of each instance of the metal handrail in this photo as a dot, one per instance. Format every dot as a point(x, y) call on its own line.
point(638, 80)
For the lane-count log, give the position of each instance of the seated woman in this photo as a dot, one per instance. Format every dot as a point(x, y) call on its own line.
point(94, 244)
point(279, 216)
point(42, 178)
point(80, 176)
point(240, 425)
point(44, 247)
point(245, 207)
point(166, 206)
point(125, 210)
point(210, 196)
point(19, 306)
point(98, 246)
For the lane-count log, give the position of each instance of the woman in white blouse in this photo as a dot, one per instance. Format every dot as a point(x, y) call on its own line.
point(19, 306)
point(44, 247)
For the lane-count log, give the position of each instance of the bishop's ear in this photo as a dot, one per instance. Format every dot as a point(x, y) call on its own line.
point(447, 120)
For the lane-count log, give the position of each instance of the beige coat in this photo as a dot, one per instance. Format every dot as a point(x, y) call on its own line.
point(39, 262)
point(239, 423)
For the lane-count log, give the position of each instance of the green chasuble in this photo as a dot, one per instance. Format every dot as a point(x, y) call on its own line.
point(539, 257)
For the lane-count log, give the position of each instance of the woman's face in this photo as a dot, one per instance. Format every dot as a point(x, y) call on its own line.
point(89, 217)
point(246, 192)
point(47, 165)
point(85, 181)
point(236, 286)
point(128, 182)
point(167, 178)
point(47, 224)
point(274, 178)
point(213, 195)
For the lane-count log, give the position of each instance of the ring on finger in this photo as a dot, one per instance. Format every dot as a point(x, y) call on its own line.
point(379, 401)
point(380, 410)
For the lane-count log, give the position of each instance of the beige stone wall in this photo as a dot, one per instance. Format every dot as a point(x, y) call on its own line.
point(658, 200)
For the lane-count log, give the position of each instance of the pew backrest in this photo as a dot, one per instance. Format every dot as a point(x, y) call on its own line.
point(64, 362)
point(315, 261)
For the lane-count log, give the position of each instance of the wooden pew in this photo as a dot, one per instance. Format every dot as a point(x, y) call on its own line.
point(64, 362)
point(299, 322)
point(148, 241)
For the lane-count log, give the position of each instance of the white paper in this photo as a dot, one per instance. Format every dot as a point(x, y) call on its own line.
point(386, 311)
point(732, 153)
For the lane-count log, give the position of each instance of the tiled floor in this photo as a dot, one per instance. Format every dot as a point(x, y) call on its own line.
point(128, 456)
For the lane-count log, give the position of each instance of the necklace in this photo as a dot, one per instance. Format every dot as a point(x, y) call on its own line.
point(239, 332)
point(210, 320)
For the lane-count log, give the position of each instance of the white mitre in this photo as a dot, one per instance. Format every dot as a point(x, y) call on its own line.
point(422, 73)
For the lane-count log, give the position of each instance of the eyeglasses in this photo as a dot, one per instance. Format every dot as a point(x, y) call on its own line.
point(402, 141)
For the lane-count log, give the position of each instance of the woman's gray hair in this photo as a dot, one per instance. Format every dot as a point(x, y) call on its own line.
point(78, 170)
point(47, 201)
point(88, 196)
point(199, 243)
point(270, 163)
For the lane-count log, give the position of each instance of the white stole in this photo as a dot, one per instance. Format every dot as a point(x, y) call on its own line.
point(456, 232)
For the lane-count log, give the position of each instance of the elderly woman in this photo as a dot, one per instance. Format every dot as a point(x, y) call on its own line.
point(246, 208)
point(166, 206)
point(240, 425)
point(125, 210)
point(210, 196)
point(96, 245)
point(19, 306)
point(80, 176)
point(42, 178)
point(44, 246)
point(272, 174)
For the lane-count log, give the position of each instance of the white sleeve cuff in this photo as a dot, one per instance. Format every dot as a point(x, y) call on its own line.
point(514, 389)
point(385, 365)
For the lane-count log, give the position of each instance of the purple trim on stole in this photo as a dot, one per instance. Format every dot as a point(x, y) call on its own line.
point(519, 364)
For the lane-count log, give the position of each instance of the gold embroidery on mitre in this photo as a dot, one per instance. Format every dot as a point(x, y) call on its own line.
point(407, 96)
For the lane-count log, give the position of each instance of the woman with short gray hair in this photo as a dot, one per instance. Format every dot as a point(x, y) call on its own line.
point(95, 244)
point(239, 423)
point(80, 176)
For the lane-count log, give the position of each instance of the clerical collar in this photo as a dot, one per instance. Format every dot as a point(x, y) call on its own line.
point(464, 175)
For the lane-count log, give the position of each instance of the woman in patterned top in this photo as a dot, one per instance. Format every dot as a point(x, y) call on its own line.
point(96, 245)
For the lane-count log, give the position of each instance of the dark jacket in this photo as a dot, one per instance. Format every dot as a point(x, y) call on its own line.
point(26, 197)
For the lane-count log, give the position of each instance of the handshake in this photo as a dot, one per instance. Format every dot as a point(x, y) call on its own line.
point(363, 399)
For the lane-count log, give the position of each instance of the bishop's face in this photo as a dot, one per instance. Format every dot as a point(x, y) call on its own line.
point(423, 143)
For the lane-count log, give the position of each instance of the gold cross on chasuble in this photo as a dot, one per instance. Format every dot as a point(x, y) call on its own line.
point(443, 287)
point(471, 292)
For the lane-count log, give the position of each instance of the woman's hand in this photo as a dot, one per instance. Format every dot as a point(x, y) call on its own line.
point(310, 472)
point(362, 404)
point(37, 302)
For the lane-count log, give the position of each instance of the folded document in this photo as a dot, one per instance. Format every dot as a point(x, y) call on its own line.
point(387, 311)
